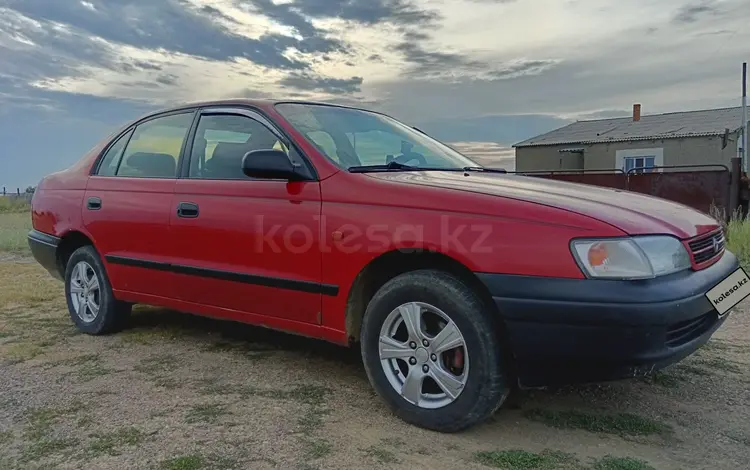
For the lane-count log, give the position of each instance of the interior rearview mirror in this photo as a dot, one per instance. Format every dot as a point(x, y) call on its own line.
point(268, 164)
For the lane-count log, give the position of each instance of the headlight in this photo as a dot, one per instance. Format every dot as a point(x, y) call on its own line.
point(631, 258)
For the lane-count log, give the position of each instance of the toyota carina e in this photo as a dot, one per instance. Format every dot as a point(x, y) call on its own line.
point(456, 281)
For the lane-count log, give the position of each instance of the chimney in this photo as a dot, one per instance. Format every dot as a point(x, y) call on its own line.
point(636, 112)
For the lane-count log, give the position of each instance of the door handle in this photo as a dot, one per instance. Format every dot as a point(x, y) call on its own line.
point(187, 210)
point(94, 204)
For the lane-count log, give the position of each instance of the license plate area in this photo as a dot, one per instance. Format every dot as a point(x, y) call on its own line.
point(729, 292)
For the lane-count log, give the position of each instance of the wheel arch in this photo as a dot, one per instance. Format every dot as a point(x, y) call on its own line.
point(396, 262)
point(69, 243)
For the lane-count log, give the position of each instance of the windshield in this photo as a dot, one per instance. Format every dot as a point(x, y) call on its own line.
point(355, 138)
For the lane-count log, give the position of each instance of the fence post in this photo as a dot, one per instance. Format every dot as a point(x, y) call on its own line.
point(734, 186)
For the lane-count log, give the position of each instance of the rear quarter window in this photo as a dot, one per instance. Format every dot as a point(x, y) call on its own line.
point(108, 165)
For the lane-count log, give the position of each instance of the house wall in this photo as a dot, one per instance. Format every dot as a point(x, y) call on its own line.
point(684, 151)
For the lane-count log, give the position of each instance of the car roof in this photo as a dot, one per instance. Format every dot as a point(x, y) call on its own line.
point(257, 103)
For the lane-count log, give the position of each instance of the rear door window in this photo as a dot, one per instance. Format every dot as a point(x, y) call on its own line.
point(154, 149)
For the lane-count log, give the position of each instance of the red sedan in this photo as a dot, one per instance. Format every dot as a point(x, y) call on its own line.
point(457, 282)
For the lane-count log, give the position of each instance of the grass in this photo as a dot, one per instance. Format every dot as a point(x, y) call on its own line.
point(13, 205)
point(518, 459)
point(5, 437)
point(28, 286)
point(40, 420)
point(156, 365)
point(46, 446)
point(89, 366)
point(110, 443)
point(621, 463)
point(185, 462)
point(718, 363)
point(317, 448)
point(622, 424)
point(381, 455)
point(738, 239)
point(206, 413)
point(14, 227)
point(664, 379)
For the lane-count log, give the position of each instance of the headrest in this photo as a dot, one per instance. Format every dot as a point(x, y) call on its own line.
point(229, 153)
point(153, 164)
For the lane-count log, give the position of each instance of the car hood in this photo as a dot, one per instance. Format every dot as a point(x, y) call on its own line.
point(633, 213)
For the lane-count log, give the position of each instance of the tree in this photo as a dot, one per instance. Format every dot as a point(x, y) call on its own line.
point(30, 190)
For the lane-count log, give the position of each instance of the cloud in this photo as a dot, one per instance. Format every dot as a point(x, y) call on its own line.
point(467, 71)
point(696, 11)
point(328, 85)
point(397, 12)
point(173, 25)
point(454, 67)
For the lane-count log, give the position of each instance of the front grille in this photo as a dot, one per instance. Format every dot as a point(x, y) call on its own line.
point(686, 331)
point(707, 247)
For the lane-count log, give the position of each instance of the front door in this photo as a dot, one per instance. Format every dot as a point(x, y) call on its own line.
point(242, 244)
point(128, 200)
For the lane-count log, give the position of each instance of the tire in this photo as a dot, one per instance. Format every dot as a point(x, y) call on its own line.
point(112, 315)
point(486, 383)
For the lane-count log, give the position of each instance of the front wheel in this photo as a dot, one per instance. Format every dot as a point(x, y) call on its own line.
point(431, 351)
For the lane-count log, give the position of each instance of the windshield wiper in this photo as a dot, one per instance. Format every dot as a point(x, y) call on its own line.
point(484, 169)
point(392, 165)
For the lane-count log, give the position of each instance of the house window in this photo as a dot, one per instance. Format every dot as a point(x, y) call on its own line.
point(645, 163)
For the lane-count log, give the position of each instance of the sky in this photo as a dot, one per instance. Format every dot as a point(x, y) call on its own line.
point(480, 74)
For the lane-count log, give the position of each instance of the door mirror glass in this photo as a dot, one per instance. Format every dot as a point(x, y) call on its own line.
point(268, 164)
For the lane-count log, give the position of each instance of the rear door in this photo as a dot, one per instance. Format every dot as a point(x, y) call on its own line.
point(128, 201)
point(248, 245)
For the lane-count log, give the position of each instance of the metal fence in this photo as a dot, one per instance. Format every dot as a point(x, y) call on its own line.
point(703, 187)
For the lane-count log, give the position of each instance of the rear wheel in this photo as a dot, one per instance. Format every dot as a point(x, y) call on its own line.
point(430, 348)
point(91, 303)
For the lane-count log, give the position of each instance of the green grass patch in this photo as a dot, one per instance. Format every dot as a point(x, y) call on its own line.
point(317, 448)
point(718, 363)
point(40, 420)
point(206, 413)
point(664, 379)
point(89, 366)
point(185, 462)
point(738, 239)
point(518, 459)
point(47, 446)
point(158, 368)
point(395, 442)
point(84, 422)
point(13, 205)
point(110, 443)
point(381, 455)
point(14, 227)
point(623, 424)
point(621, 463)
point(689, 369)
point(5, 437)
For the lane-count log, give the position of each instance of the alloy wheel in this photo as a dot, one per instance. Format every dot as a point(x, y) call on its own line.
point(424, 355)
point(85, 292)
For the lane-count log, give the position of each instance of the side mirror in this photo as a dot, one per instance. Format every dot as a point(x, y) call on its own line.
point(268, 164)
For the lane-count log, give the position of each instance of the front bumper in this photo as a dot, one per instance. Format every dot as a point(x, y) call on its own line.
point(584, 330)
point(44, 249)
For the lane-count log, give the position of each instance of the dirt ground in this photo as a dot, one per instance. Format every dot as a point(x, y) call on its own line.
point(179, 392)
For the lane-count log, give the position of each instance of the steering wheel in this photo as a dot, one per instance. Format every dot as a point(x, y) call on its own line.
point(410, 157)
